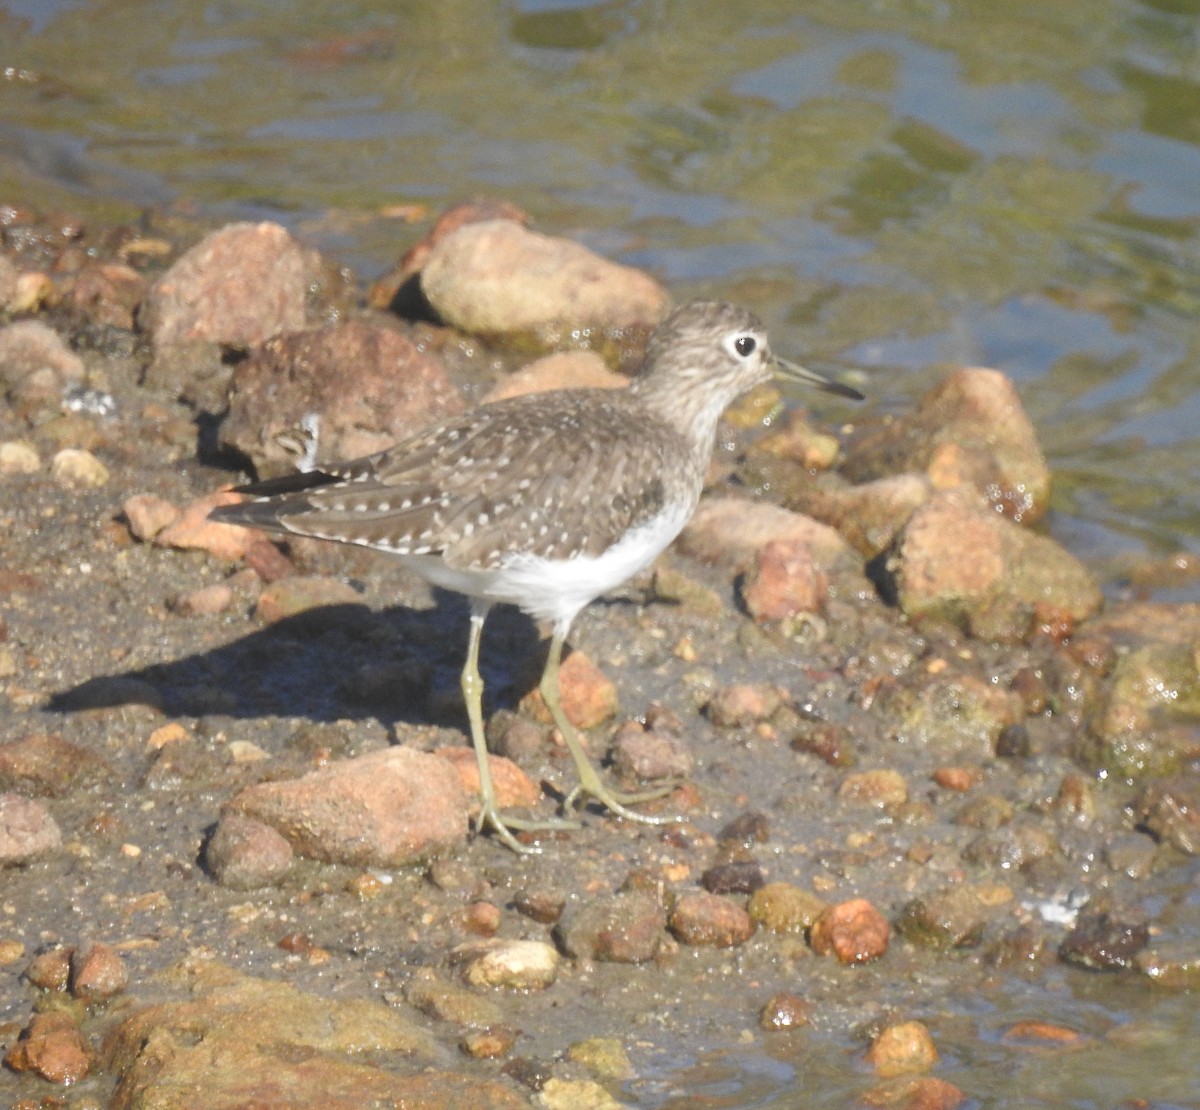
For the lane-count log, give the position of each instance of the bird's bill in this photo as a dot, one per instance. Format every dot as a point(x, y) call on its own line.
point(794, 372)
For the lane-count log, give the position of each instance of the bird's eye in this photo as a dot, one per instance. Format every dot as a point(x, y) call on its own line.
point(744, 345)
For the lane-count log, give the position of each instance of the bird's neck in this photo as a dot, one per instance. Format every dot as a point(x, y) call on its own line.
point(689, 408)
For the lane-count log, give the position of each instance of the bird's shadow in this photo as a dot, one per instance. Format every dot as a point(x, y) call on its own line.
point(335, 662)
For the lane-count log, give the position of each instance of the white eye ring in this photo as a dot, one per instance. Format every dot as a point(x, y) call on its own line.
point(742, 344)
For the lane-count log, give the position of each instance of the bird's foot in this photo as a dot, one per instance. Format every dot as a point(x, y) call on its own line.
point(489, 818)
point(618, 801)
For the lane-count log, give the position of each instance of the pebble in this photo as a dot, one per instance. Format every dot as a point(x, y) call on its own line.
point(604, 1057)
point(736, 877)
point(743, 704)
point(430, 993)
point(784, 1011)
point(854, 931)
point(784, 908)
point(245, 854)
point(902, 1049)
point(882, 787)
point(78, 469)
point(576, 1094)
point(621, 928)
point(289, 597)
point(27, 831)
point(489, 1043)
point(588, 695)
point(18, 457)
point(148, 515)
point(540, 905)
point(204, 601)
point(1104, 942)
point(709, 920)
point(514, 788)
point(649, 755)
point(97, 972)
point(51, 1046)
point(43, 763)
point(514, 964)
point(784, 579)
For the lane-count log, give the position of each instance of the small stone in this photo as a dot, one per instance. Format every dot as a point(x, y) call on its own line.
point(50, 971)
point(10, 951)
point(650, 755)
point(1173, 965)
point(148, 515)
point(97, 972)
point(709, 920)
point(489, 1043)
point(43, 763)
point(290, 597)
point(902, 1049)
point(743, 704)
point(481, 918)
point(588, 695)
point(736, 877)
point(576, 1094)
point(447, 1001)
point(785, 579)
point(1013, 742)
point(621, 928)
point(784, 1011)
point(952, 918)
point(785, 908)
point(543, 906)
point(515, 964)
point(1102, 942)
point(747, 829)
point(882, 788)
point(854, 931)
point(512, 786)
point(924, 1092)
point(78, 469)
point(51, 1046)
point(27, 831)
point(1041, 1033)
point(958, 779)
point(604, 1057)
point(19, 457)
point(245, 854)
point(206, 601)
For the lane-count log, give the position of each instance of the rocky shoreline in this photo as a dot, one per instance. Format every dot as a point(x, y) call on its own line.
point(915, 745)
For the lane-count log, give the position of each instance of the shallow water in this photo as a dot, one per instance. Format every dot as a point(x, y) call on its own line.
point(894, 186)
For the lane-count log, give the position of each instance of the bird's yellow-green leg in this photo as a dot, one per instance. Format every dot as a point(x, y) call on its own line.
point(590, 783)
point(489, 814)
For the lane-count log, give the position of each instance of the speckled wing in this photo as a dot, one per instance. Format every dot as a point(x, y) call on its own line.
point(566, 475)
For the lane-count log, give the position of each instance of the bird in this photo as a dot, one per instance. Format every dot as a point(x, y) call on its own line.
point(544, 501)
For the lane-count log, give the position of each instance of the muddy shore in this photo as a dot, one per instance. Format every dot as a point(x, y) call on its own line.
point(934, 791)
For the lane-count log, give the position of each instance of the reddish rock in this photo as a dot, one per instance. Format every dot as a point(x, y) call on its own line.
point(27, 831)
point(205, 601)
point(969, 432)
point(238, 286)
point(107, 293)
point(588, 695)
point(51, 1046)
point(44, 763)
point(621, 928)
point(561, 370)
point(854, 931)
point(245, 854)
point(958, 779)
point(701, 918)
point(869, 515)
point(148, 515)
point(338, 392)
point(731, 531)
point(50, 971)
point(384, 809)
point(960, 563)
point(784, 1011)
point(193, 530)
point(97, 972)
point(497, 278)
point(513, 787)
point(902, 1049)
point(649, 754)
point(743, 704)
point(394, 290)
point(30, 347)
point(923, 1093)
point(784, 580)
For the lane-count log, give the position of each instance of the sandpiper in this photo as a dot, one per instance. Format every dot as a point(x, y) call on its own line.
point(545, 502)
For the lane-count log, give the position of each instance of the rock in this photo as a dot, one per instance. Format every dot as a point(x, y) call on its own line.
point(490, 1043)
point(1170, 810)
point(731, 530)
point(1104, 942)
point(736, 877)
point(784, 1011)
point(194, 531)
point(870, 515)
point(970, 431)
point(106, 293)
point(709, 920)
point(747, 829)
point(576, 1094)
point(498, 279)
point(50, 971)
point(385, 809)
point(785, 908)
point(587, 694)
point(604, 1057)
point(18, 457)
point(620, 928)
point(854, 931)
point(205, 601)
point(30, 347)
point(743, 704)
point(247, 1041)
point(27, 831)
point(958, 563)
point(148, 515)
point(649, 755)
point(97, 972)
point(1174, 965)
point(522, 965)
point(51, 1046)
point(902, 1049)
point(692, 596)
point(958, 779)
point(514, 789)
point(8, 283)
point(881, 787)
point(289, 597)
point(399, 290)
point(78, 469)
point(245, 854)
point(560, 370)
point(335, 393)
point(446, 1001)
point(952, 918)
point(1011, 847)
point(43, 763)
point(542, 905)
point(784, 580)
point(238, 286)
